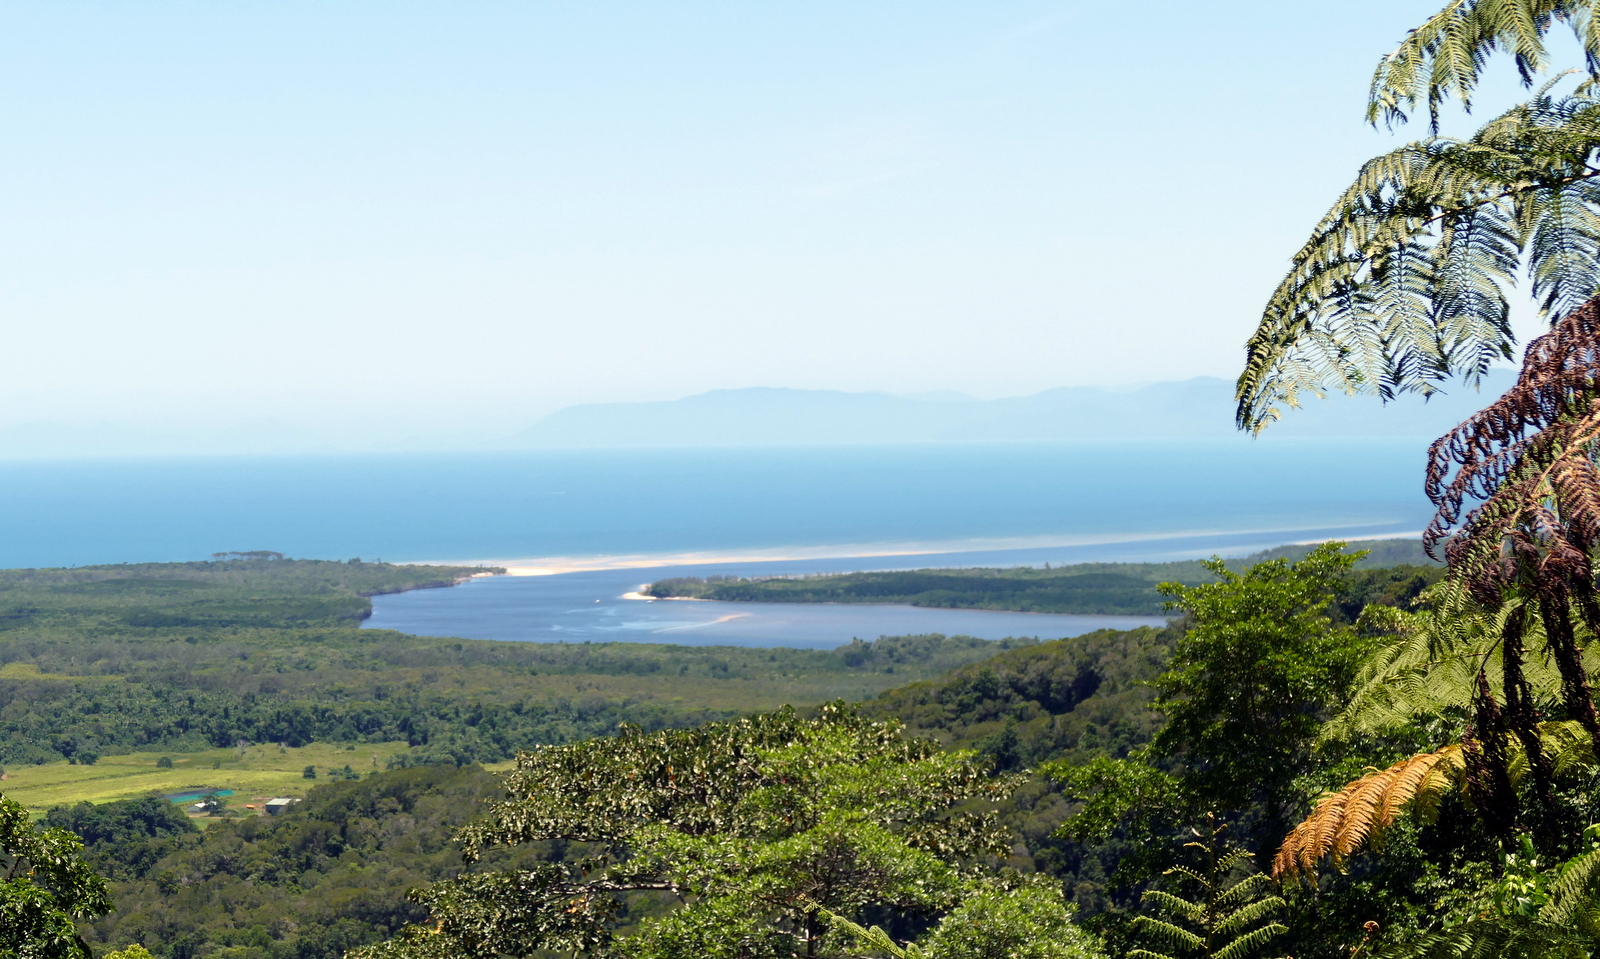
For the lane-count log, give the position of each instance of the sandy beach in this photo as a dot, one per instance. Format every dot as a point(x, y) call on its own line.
point(555, 565)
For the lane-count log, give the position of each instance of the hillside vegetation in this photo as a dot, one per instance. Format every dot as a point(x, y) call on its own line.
point(332, 873)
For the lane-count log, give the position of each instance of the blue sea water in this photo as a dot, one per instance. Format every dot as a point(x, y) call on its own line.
point(466, 506)
point(1092, 500)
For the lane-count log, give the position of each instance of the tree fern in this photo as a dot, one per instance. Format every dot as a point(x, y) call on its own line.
point(1428, 667)
point(1445, 56)
point(1230, 916)
point(1020, 918)
point(1356, 817)
point(1404, 282)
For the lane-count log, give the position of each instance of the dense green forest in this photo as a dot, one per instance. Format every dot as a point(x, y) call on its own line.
point(333, 872)
point(192, 655)
point(1085, 588)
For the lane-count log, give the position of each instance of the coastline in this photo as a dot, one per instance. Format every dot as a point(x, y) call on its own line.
point(557, 565)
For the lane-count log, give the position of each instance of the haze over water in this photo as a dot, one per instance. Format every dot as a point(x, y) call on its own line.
point(509, 506)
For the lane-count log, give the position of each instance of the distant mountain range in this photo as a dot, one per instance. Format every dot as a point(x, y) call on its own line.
point(1197, 408)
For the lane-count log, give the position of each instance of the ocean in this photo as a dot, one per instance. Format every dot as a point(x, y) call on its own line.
point(500, 506)
point(936, 504)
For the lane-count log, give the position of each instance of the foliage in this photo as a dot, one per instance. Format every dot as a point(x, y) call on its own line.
point(1249, 682)
point(753, 826)
point(1403, 282)
point(1443, 56)
point(1364, 809)
point(185, 656)
point(327, 875)
point(124, 839)
point(1076, 708)
point(1025, 920)
point(46, 886)
point(1088, 588)
point(1231, 916)
point(1529, 910)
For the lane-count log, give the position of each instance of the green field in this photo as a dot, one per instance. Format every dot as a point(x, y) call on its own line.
point(255, 772)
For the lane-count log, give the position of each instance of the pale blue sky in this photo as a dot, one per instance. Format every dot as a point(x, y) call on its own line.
point(387, 217)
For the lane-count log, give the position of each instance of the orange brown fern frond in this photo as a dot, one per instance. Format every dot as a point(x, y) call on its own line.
point(1345, 821)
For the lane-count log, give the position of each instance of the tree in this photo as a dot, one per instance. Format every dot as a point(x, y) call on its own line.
point(1403, 284)
point(1028, 920)
point(731, 840)
point(1244, 697)
point(1251, 679)
point(45, 886)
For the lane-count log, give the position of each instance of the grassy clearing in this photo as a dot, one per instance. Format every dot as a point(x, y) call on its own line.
point(253, 772)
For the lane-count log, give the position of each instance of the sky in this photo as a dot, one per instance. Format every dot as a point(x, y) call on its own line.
point(357, 224)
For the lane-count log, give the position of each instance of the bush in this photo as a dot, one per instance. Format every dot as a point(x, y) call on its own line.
point(310, 772)
point(165, 762)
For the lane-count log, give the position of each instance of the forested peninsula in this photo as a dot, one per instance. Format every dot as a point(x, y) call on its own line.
point(1127, 589)
point(188, 656)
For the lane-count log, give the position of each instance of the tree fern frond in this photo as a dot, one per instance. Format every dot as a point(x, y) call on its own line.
point(1225, 919)
point(1250, 942)
point(1445, 56)
point(1355, 816)
point(1248, 915)
point(1575, 891)
point(1350, 818)
point(1403, 282)
point(1175, 936)
point(1429, 668)
point(1245, 890)
point(1175, 904)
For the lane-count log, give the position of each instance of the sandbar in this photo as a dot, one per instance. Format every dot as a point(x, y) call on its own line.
point(556, 565)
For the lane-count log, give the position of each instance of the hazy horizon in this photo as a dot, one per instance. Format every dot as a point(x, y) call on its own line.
point(838, 420)
point(405, 224)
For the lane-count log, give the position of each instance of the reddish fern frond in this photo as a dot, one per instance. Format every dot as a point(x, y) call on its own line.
point(1526, 460)
point(1528, 463)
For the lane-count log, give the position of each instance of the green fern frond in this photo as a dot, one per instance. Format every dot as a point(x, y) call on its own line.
point(1445, 56)
point(1227, 918)
point(1244, 918)
point(1404, 281)
point(1429, 667)
point(1245, 890)
point(1250, 942)
point(1575, 895)
point(1178, 906)
point(1166, 932)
